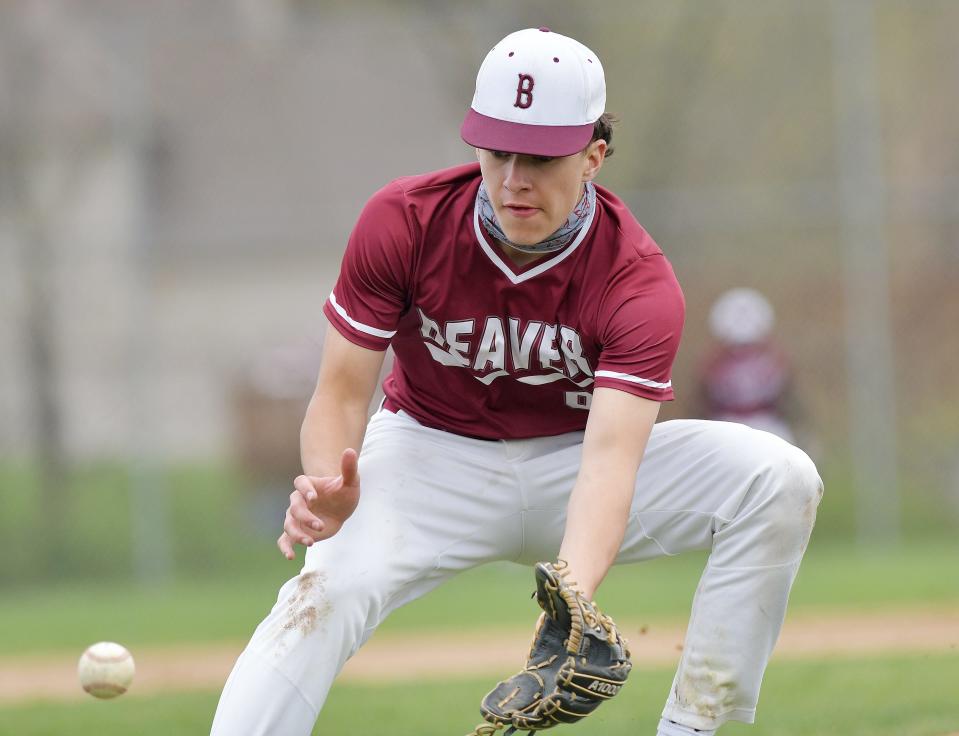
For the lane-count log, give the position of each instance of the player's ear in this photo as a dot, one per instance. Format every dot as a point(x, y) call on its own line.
point(593, 156)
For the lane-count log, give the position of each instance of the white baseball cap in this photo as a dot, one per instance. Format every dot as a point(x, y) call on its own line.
point(538, 93)
point(741, 316)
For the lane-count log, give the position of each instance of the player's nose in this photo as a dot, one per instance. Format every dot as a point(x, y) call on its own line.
point(517, 174)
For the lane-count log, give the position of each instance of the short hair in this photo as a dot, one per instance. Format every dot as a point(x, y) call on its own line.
point(603, 128)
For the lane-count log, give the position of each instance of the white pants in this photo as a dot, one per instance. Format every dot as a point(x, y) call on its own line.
point(434, 504)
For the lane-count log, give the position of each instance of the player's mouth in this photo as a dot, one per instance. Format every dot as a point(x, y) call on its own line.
point(520, 210)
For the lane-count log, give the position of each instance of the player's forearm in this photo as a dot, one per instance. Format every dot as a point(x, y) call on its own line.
point(596, 523)
point(616, 435)
point(332, 424)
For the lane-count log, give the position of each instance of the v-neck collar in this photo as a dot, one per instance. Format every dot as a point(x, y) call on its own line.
point(519, 274)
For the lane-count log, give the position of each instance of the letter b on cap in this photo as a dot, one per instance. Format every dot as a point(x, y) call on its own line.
point(524, 92)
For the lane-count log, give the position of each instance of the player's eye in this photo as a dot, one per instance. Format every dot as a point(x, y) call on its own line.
point(503, 155)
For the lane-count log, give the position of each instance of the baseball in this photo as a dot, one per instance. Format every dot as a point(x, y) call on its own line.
point(106, 669)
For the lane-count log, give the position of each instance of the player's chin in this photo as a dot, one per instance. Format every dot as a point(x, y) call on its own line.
point(525, 233)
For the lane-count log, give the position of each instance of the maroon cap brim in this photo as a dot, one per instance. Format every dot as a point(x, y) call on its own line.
point(481, 131)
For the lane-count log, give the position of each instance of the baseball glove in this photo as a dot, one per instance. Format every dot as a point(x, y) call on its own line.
point(577, 660)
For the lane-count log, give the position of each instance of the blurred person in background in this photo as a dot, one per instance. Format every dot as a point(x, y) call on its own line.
point(268, 399)
point(747, 378)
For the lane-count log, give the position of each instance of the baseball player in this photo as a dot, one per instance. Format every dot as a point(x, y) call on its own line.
point(534, 324)
point(746, 377)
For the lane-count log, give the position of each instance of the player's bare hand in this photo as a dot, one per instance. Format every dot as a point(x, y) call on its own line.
point(319, 505)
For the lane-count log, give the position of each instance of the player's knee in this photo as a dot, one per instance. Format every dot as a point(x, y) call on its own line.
point(777, 509)
point(796, 490)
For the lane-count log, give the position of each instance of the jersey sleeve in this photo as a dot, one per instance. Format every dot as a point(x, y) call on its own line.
point(642, 324)
point(371, 292)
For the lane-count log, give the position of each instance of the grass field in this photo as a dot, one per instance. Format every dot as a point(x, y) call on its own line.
point(68, 617)
point(905, 695)
point(902, 696)
point(909, 695)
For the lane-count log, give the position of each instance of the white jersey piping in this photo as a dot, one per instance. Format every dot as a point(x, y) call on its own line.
point(544, 265)
point(376, 332)
point(633, 379)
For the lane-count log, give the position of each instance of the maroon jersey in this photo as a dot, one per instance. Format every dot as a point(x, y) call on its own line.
point(742, 380)
point(489, 349)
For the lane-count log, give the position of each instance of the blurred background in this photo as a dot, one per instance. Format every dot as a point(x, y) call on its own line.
point(178, 180)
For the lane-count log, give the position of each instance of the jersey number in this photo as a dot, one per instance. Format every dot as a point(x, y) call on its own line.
point(578, 399)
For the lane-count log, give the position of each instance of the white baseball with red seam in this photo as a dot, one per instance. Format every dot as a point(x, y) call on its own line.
point(106, 669)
